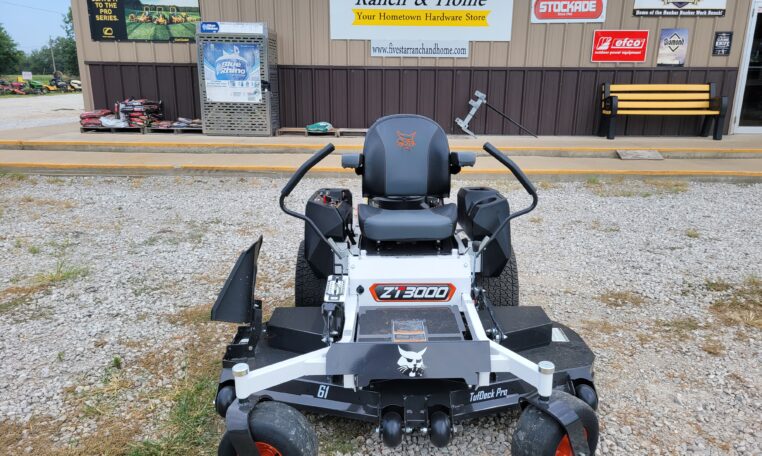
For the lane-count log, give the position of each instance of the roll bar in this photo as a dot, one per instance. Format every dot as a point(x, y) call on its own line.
point(523, 180)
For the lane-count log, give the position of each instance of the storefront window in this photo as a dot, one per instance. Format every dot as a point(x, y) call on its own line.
point(751, 109)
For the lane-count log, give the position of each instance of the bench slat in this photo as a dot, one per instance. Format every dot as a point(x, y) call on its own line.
point(664, 104)
point(659, 87)
point(665, 112)
point(662, 96)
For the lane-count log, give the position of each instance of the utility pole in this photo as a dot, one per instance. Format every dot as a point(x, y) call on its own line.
point(52, 55)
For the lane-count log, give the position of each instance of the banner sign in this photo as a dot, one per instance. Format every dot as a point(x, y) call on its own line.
point(680, 8)
point(722, 43)
point(397, 48)
point(143, 20)
point(232, 72)
point(673, 46)
point(566, 11)
point(428, 20)
point(620, 45)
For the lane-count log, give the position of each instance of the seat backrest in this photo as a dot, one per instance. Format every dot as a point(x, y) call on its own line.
point(406, 155)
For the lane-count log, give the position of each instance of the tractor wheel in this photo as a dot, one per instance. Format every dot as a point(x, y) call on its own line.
point(309, 287)
point(45, 90)
point(502, 290)
point(278, 430)
point(537, 434)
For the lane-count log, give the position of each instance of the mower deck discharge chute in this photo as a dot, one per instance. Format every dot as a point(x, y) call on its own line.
point(407, 319)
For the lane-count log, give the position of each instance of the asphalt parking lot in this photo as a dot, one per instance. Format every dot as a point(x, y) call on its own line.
point(107, 282)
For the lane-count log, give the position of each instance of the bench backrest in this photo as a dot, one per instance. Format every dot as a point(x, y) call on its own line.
point(660, 96)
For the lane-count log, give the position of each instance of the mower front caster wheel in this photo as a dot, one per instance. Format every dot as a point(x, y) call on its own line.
point(277, 430)
point(537, 434)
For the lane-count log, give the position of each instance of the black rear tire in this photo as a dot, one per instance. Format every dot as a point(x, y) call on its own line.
point(309, 286)
point(502, 290)
point(537, 434)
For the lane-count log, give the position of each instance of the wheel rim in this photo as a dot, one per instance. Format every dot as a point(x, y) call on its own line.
point(265, 449)
point(564, 446)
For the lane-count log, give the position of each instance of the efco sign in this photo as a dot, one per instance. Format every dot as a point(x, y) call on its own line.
point(561, 11)
point(620, 45)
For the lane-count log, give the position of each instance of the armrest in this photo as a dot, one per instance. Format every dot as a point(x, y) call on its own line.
point(611, 103)
point(719, 104)
point(460, 159)
point(353, 161)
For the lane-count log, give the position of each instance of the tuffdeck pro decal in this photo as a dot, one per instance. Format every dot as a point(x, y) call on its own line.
point(419, 292)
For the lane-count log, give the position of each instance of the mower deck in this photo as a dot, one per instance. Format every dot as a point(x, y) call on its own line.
point(299, 327)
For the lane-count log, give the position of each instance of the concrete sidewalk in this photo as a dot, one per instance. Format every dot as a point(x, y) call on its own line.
point(68, 138)
point(141, 163)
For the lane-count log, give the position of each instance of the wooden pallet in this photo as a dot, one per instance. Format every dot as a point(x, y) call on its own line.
point(111, 129)
point(304, 132)
point(177, 131)
point(351, 132)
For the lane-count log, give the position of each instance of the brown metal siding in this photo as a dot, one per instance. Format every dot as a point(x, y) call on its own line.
point(175, 85)
point(550, 101)
point(304, 38)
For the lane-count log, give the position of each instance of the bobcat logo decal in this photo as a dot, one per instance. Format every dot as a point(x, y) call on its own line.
point(405, 141)
point(411, 363)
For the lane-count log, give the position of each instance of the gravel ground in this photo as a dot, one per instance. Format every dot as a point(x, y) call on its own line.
point(39, 111)
point(93, 268)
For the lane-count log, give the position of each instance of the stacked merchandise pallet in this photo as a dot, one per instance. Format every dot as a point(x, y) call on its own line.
point(181, 125)
point(139, 113)
point(103, 120)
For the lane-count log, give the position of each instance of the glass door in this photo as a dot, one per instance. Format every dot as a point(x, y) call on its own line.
point(749, 116)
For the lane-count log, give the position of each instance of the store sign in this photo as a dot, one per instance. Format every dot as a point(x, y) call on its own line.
point(722, 43)
point(232, 72)
point(143, 20)
point(563, 11)
point(620, 45)
point(673, 47)
point(409, 48)
point(680, 8)
point(428, 20)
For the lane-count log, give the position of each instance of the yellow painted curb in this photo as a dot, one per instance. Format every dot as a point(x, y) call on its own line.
point(350, 147)
point(328, 169)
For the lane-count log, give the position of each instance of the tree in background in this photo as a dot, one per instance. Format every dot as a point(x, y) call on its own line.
point(64, 48)
point(10, 56)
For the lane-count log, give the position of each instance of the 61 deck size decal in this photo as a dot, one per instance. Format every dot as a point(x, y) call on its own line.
point(399, 292)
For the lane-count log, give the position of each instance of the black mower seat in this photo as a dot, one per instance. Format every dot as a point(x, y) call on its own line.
point(433, 224)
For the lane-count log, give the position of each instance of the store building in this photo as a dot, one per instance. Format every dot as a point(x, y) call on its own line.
point(533, 58)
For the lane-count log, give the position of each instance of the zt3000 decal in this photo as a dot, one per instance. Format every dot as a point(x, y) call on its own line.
point(419, 292)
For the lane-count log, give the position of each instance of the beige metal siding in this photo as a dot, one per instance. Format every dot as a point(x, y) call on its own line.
point(304, 38)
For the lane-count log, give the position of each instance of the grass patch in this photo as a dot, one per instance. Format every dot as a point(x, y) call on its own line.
point(718, 285)
point(678, 327)
point(599, 327)
point(62, 273)
point(545, 185)
point(16, 296)
point(714, 347)
point(743, 307)
point(664, 186)
point(15, 177)
point(193, 426)
point(598, 226)
point(619, 187)
point(692, 233)
point(33, 249)
point(622, 299)
point(537, 220)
